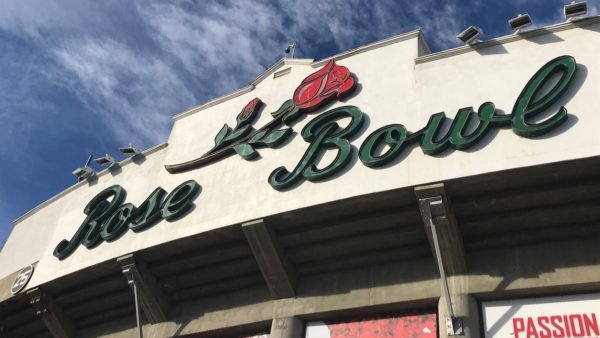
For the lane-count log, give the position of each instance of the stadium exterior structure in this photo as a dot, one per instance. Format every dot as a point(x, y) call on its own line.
point(342, 203)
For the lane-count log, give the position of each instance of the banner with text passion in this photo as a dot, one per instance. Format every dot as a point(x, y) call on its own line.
point(398, 326)
point(550, 317)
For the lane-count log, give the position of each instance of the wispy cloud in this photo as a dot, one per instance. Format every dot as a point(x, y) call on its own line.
point(133, 92)
point(35, 18)
point(222, 45)
point(441, 22)
point(195, 51)
point(5, 222)
point(594, 8)
point(352, 22)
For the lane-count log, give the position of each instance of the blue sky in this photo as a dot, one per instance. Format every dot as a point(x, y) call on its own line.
point(86, 77)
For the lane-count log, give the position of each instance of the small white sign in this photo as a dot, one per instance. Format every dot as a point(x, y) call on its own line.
point(550, 317)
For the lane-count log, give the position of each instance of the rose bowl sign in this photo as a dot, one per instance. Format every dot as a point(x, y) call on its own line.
point(108, 218)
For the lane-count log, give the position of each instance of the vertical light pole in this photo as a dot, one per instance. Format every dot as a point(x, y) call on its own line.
point(130, 271)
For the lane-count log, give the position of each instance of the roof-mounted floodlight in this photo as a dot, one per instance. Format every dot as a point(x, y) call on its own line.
point(575, 9)
point(520, 22)
point(107, 161)
point(470, 35)
point(84, 172)
point(130, 151)
point(290, 48)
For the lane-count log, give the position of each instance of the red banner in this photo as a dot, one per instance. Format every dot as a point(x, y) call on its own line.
point(408, 326)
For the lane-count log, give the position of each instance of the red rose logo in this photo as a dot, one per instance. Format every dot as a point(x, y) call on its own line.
point(329, 83)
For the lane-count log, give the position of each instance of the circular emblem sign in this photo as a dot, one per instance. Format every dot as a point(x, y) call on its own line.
point(21, 280)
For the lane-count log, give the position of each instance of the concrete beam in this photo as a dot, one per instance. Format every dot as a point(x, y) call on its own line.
point(51, 313)
point(153, 302)
point(435, 206)
point(275, 267)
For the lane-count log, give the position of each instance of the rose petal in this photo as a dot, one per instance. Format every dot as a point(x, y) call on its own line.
point(312, 104)
point(250, 106)
point(308, 91)
point(316, 89)
point(249, 111)
point(322, 72)
point(347, 88)
point(312, 85)
point(336, 78)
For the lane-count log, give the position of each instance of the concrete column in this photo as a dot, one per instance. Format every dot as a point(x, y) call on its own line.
point(465, 307)
point(57, 323)
point(287, 327)
point(153, 301)
point(270, 257)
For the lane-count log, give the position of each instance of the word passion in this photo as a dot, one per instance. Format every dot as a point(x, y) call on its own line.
point(557, 326)
point(324, 133)
point(108, 218)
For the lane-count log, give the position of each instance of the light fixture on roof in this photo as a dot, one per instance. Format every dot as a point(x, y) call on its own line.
point(291, 48)
point(107, 161)
point(470, 35)
point(575, 9)
point(85, 172)
point(130, 151)
point(520, 22)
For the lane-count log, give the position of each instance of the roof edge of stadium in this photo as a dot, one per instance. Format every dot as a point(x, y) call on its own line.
point(307, 62)
point(122, 163)
point(562, 26)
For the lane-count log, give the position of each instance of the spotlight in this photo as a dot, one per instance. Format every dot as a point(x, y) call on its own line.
point(85, 172)
point(470, 35)
point(520, 22)
point(291, 48)
point(575, 9)
point(107, 161)
point(131, 150)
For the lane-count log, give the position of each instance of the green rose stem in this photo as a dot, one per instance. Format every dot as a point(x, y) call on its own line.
point(215, 155)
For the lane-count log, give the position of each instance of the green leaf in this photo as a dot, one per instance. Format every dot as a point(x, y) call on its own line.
point(291, 116)
point(285, 107)
point(239, 133)
point(245, 150)
point(256, 137)
point(276, 137)
point(221, 135)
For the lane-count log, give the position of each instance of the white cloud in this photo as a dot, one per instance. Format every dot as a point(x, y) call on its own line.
point(134, 93)
point(5, 223)
point(441, 23)
point(34, 17)
point(353, 22)
point(593, 9)
point(342, 21)
point(198, 50)
point(222, 45)
point(18, 105)
point(201, 50)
